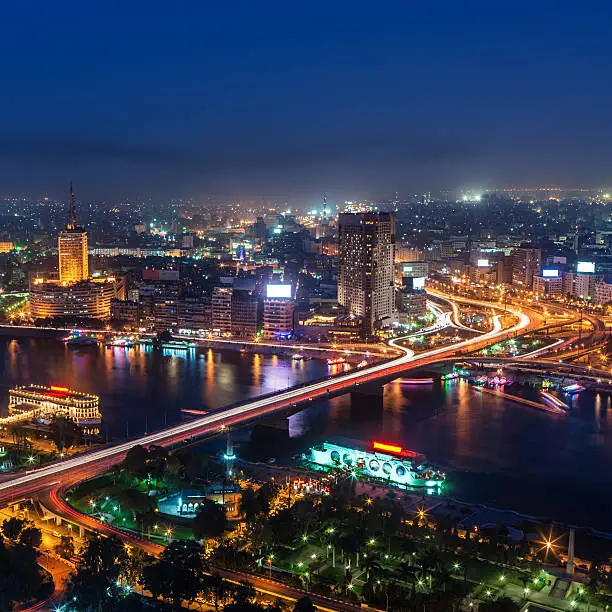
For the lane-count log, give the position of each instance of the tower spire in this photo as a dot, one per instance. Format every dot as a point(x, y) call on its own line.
point(72, 221)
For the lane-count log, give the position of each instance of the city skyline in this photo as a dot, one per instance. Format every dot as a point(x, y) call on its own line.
point(248, 102)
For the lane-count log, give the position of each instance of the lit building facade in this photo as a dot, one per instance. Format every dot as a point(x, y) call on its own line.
point(245, 313)
point(602, 293)
point(366, 246)
point(548, 286)
point(525, 265)
point(278, 317)
point(72, 249)
point(85, 299)
point(222, 310)
point(73, 255)
point(412, 305)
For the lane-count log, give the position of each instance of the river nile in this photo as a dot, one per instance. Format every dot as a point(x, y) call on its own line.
point(496, 452)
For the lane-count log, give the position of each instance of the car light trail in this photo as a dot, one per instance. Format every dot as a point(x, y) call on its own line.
point(97, 460)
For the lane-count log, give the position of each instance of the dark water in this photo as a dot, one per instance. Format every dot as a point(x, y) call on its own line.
point(141, 388)
point(496, 452)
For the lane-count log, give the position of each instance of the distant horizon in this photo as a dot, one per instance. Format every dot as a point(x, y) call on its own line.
point(311, 200)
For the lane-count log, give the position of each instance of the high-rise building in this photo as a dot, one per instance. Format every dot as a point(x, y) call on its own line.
point(245, 313)
point(525, 265)
point(278, 317)
point(72, 248)
point(366, 247)
point(546, 286)
point(222, 310)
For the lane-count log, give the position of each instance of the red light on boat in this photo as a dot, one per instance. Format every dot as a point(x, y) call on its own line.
point(387, 447)
point(60, 389)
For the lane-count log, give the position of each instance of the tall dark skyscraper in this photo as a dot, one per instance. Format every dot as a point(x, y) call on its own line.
point(366, 245)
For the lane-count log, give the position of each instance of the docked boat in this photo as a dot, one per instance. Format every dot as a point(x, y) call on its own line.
point(573, 389)
point(79, 341)
point(121, 342)
point(380, 460)
point(178, 345)
point(336, 361)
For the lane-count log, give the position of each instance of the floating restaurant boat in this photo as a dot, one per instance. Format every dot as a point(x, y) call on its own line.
point(297, 357)
point(388, 462)
point(181, 345)
point(176, 345)
point(41, 401)
point(362, 364)
point(336, 361)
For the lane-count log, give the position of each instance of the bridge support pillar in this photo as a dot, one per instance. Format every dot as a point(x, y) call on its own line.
point(58, 520)
point(81, 531)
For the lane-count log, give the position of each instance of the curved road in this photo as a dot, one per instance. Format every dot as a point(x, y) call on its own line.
point(97, 461)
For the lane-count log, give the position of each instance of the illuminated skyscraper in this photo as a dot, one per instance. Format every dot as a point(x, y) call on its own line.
point(366, 248)
point(72, 247)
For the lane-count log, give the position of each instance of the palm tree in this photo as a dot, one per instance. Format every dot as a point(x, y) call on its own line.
point(371, 567)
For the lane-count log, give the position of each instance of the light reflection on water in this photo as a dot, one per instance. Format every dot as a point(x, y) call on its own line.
point(499, 452)
point(139, 382)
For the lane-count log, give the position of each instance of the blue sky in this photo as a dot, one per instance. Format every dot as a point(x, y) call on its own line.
point(291, 100)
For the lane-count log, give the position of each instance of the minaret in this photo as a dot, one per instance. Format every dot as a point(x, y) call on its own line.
point(229, 456)
point(569, 570)
point(576, 241)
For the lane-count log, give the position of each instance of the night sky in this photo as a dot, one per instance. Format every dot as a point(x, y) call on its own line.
point(292, 100)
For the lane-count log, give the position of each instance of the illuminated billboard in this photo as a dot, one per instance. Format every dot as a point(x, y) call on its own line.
point(418, 282)
point(550, 272)
point(483, 263)
point(586, 266)
point(408, 269)
point(278, 291)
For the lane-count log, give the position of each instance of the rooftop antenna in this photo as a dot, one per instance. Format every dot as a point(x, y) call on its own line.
point(72, 221)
